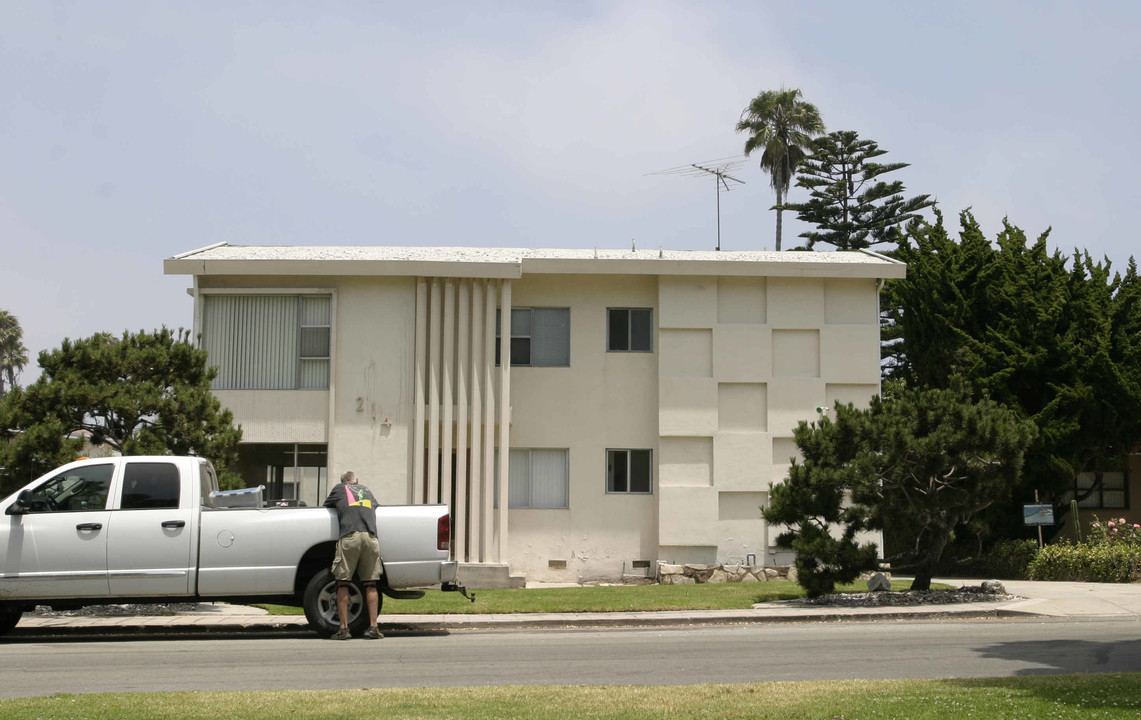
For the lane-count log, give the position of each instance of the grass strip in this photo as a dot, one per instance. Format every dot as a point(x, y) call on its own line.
point(1046, 696)
point(602, 598)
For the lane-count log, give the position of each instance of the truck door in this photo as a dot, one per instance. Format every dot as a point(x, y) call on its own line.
point(151, 528)
point(58, 549)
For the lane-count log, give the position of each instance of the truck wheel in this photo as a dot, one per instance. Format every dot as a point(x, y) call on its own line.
point(320, 601)
point(10, 616)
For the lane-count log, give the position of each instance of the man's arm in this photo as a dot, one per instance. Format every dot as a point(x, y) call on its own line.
point(336, 495)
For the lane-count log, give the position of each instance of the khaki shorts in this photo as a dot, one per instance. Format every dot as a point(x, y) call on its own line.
point(357, 554)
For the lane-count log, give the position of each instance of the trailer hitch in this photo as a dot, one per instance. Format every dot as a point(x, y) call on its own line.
point(456, 587)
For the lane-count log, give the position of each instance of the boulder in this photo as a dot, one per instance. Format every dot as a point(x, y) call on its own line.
point(994, 587)
point(878, 583)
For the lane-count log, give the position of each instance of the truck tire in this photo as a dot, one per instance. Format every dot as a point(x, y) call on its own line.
point(9, 616)
point(320, 602)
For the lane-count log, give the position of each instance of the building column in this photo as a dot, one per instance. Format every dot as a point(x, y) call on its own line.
point(463, 341)
point(418, 392)
point(504, 416)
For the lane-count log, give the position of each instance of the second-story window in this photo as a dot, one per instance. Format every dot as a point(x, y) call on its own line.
point(629, 330)
point(540, 337)
point(268, 342)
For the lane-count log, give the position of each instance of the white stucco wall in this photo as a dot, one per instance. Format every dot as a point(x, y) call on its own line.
point(603, 400)
point(755, 356)
point(738, 361)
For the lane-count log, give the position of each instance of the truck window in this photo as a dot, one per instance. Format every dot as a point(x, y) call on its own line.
point(150, 486)
point(76, 490)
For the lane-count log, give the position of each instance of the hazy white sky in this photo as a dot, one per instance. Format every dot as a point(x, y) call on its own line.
point(130, 132)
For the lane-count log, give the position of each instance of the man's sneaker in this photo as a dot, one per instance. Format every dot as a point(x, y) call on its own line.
point(373, 633)
point(342, 634)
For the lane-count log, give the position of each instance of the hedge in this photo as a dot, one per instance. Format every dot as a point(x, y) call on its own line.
point(1117, 563)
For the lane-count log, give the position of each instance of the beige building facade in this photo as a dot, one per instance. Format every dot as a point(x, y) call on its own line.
point(638, 403)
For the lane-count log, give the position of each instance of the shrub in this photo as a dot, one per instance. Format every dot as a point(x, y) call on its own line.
point(1114, 531)
point(1106, 562)
point(1009, 559)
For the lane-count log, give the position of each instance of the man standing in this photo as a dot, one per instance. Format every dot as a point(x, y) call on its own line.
point(358, 551)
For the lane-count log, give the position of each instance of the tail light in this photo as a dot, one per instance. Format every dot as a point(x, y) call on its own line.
point(444, 533)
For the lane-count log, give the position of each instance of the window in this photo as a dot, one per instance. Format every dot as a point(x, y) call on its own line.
point(293, 474)
point(629, 471)
point(76, 490)
point(150, 486)
point(268, 342)
point(1110, 495)
point(629, 330)
point(540, 337)
point(537, 478)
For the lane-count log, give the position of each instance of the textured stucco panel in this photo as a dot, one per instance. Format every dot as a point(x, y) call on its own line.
point(688, 516)
point(795, 302)
point(850, 353)
point(742, 461)
point(279, 416)
point(851, 301)
point(742, 407)
point(686, 353)
point(687, 302)
point(741, 353)
point(859, 395)
point(796, 353)
point(742, 300)
point(687, 406)
point(685, 462)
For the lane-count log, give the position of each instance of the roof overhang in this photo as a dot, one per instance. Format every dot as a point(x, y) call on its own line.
point(509, 263)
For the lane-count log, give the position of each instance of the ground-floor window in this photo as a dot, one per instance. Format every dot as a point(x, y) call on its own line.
point(292, 473)
point(629, 471)
point(537, 478)
point(1109, 494)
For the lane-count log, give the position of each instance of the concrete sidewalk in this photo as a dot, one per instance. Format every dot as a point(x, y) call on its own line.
point(1041, 599)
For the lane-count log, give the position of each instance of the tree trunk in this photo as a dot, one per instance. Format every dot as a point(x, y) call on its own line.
point(926, 568)
point(779, 217)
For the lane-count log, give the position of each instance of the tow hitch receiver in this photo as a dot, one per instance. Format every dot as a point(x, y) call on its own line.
point(456, 587)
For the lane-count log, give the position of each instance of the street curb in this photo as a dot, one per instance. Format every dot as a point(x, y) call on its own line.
point(514, 623)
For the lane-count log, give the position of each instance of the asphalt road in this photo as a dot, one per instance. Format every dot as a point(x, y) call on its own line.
point(651, 656)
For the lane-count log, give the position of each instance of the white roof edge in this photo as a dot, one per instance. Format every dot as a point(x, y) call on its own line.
point(188, 253)
point(886, 258)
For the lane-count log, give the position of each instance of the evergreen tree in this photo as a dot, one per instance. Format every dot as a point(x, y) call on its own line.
point(820, 527)
point(851, 206)
point(924, 459)
point(1056, 339)
point(140, 394)
point(936, 458)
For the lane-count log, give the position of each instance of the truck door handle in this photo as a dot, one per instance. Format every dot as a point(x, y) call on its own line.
point(171, 524)
point(89, 526)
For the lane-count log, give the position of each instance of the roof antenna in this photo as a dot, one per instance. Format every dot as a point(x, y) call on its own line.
point(633, 245)
point(719, 169)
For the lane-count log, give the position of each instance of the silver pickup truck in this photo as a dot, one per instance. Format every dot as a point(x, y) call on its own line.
point(156, 529)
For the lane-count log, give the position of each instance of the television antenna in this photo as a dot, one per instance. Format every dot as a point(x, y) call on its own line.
point(719, 169)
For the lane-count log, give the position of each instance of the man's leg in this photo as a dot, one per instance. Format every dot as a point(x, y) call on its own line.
point(343, 603)
point(373, 600)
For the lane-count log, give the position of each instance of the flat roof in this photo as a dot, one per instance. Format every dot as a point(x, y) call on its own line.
point(314, 260)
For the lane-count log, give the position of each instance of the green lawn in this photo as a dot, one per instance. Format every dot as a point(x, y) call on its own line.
point(1054, 696)
point(726, 596)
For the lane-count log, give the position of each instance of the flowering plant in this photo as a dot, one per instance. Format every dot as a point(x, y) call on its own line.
point(1114, 531)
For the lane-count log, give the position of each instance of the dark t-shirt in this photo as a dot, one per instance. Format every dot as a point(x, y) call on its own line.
point(356, 508)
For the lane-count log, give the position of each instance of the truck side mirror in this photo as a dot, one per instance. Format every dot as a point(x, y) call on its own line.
point(23, 502)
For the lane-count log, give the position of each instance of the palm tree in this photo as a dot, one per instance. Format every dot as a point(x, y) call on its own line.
point(781, 125)
point(13, 354)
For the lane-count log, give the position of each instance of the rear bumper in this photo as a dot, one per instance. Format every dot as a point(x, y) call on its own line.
point(422, 573)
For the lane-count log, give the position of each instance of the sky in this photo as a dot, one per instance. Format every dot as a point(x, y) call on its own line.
point(134, 131)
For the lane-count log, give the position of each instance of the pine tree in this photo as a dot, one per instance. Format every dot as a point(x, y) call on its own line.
point(851, 206)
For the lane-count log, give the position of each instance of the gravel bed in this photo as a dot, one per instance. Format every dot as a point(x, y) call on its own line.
point(885, 598)
point(126, 609)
